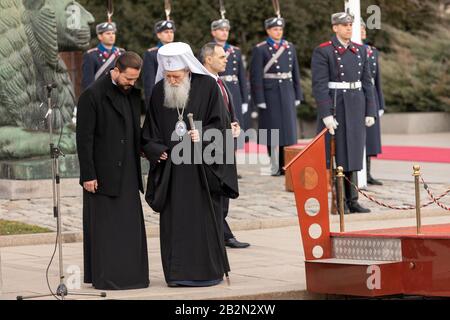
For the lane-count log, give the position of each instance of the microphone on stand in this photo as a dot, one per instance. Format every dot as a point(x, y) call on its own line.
point(49, 88)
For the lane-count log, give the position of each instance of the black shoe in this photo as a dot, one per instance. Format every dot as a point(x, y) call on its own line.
point(355, 207)
point(374, 182)
point(172, 284)
point(233, 243)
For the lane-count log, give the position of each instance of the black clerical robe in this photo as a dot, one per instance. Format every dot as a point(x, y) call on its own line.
point(190, 246)
point(108, 142)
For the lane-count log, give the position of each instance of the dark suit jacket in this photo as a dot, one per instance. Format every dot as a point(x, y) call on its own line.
point(101, 135)
point(232, 111)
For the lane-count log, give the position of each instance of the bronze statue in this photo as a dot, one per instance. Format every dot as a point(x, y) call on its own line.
point(32, 32)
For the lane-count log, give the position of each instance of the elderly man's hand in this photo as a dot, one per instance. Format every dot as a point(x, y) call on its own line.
point(195, 135)
point(235, 129)
point(90, 186)
point(163, 157)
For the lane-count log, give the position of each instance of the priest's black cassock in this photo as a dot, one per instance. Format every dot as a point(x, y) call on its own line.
point(190, 248)
point(108, 142)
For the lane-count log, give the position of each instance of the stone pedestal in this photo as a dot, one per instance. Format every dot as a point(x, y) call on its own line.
point(32, 178)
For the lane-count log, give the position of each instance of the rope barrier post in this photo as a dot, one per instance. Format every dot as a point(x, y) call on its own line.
point(340, 178)
point(416, 175)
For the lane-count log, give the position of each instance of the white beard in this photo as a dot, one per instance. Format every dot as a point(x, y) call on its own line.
point(177, 97)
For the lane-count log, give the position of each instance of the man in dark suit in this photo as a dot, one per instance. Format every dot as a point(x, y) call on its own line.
point(214, 59)
point(234, 74)
point(108, 143)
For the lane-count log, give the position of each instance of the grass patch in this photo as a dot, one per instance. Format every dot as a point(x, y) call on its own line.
point(12, 227)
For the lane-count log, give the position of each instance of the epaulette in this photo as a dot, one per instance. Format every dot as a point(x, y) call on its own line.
point(357, 44)
point(92, 50)
point(261, 43)
point(325, 44)
point(236, 48)
point(121, 49)
point(153, 49)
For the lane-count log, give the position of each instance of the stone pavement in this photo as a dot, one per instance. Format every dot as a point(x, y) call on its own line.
point(271, 268)
point(262, 197)
point(264, 215)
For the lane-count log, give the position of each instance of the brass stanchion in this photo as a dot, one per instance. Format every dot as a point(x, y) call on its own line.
point(340, 178)
point(416, 175)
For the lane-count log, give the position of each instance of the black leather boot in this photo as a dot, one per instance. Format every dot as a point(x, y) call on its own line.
point(352, 194)
point(371, 180)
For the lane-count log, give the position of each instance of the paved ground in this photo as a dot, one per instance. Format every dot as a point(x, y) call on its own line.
point(262, 196)
point(274, 262)
point(273, 267)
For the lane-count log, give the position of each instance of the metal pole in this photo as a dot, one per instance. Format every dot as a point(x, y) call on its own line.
point(340, 176)
point(416, 175)
point(354, 7)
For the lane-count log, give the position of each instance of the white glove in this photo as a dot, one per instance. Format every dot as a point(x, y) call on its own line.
point(370, 121)
point(262, 106)
point(380, 112)
point(297, 103)
point(244, 108)
point(331, 124)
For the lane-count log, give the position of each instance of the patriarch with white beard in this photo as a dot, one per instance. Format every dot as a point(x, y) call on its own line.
point(190, 251)
point(177, 95)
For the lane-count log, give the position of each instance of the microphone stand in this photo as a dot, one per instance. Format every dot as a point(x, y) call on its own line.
point(55, 153)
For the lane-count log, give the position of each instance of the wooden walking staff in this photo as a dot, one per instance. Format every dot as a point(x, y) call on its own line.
point(220, 240)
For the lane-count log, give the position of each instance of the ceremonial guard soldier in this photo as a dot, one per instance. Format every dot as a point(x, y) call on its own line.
point(276, 90)
point(99, 60)
point(234, 75)
point(373, 138)
point(165, 32)
point(343, 90)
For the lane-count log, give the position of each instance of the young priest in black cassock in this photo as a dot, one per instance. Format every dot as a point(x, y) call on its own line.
point(108, 143)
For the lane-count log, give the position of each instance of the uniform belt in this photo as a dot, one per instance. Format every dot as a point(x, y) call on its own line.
point(344, 85)
point(280, 75)
point(230, 78)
